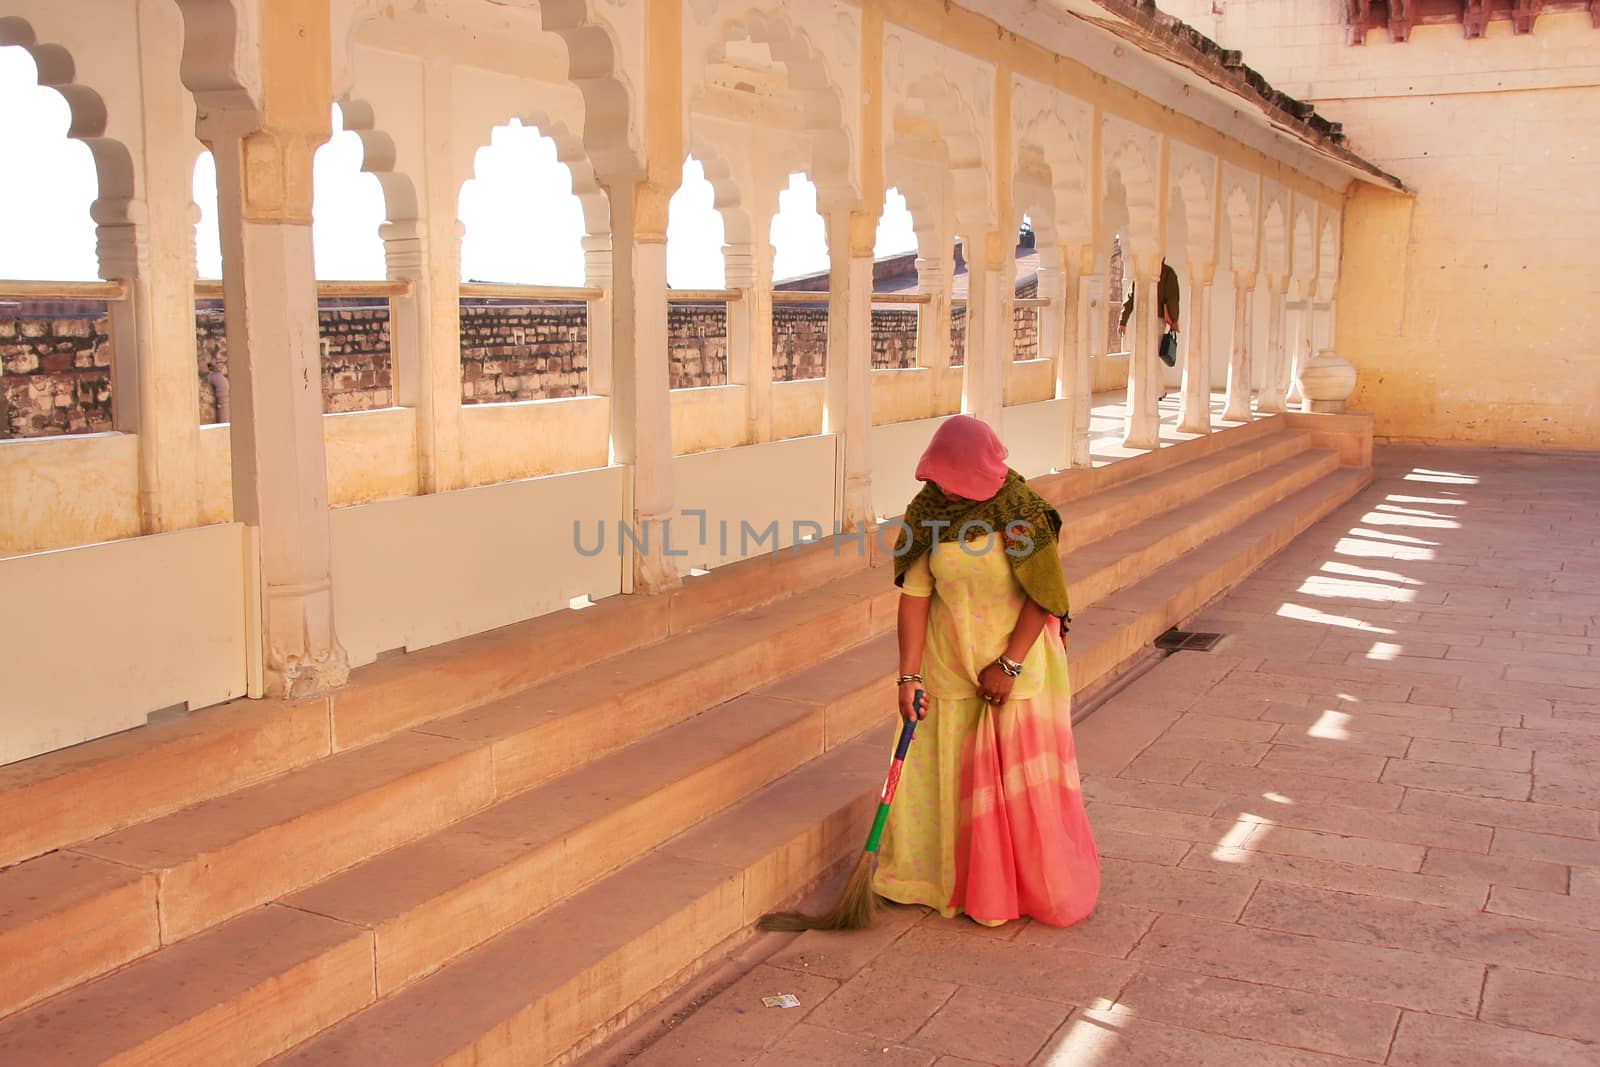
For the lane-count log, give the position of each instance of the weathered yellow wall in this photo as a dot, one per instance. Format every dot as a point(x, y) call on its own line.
point(1473, 312)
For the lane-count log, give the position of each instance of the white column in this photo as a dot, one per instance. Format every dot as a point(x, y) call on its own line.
point(641, 400)
point(1082, 330)
point(280, 471)
point(847, 410)
point(1195, 392)
point(1142, 426)
point(149, 246)
point(983, 396)
point(599, 273)
point(1273, 394)
point(1239, 370)
point(425, 328)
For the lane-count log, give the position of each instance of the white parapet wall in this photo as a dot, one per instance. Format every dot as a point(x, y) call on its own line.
point(760, 498)
point(412, 573)
point(1036, 436)
point(896, 447)
point(61, 491)
point(115, 631)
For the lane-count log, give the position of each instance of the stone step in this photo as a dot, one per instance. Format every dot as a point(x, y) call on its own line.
point(550, 982)
point(231, 853)
point(94, 789)
point(1097, 570)
point(1099, 516)
point(428, 901)
point(1125, 624)
point(218, 858)
point(612, 949)
point(236, 995)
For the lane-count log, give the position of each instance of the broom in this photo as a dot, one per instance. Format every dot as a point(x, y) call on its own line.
point(858, 903)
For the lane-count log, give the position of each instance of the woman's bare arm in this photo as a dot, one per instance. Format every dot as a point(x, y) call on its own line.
point(912, 631)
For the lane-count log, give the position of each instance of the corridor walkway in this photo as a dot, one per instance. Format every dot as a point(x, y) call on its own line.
point(1364, 829)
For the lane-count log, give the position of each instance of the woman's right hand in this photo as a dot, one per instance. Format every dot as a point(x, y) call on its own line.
point(910, 707)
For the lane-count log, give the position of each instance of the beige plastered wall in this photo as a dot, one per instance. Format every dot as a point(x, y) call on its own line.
point(1472, 310)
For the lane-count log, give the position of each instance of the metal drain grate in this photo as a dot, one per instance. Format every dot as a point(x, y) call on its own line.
point(1187, 641)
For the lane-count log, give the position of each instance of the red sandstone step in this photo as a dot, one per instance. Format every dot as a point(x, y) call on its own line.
point(548, 983)
point(428, 901)
point(64, 917)
point(231, 853)
point(236, 995)
point(1094, 518)
point(1096, 570)
point(105, 785)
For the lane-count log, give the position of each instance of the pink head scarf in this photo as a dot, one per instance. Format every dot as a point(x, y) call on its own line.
point(965, 458)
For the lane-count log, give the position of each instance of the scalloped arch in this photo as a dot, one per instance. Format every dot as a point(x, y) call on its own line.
point(1194, 188)
point(90, 119)
point(814, 84)
point(1133, 169)
point(1044, 139)
point(943, 103)
point(1240, 212)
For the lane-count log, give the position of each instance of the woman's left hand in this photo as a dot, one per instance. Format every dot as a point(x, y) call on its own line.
point(994, 684)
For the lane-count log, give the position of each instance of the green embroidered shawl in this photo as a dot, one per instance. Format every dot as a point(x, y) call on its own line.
point(1021, 516)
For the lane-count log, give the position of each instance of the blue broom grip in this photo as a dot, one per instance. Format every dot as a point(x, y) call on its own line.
point(906, 730)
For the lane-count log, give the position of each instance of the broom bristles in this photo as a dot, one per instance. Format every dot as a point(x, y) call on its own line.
point(857, 906)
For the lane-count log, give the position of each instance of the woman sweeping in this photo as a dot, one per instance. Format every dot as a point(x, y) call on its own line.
point(989, 820)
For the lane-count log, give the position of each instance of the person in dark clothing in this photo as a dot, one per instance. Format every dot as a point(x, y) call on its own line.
point(1167, 297)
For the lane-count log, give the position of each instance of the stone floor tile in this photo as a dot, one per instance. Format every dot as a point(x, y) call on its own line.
point(1055, 974)
point(842, 954)
point(1361, 822)
point(1168, 770)
point(1329, 761)
point(1298, 787)
point(1430, 1040)
point(1220, 895)
point(1546, 1003)
point(1288, 840)
point(1346, 877)
point(1549, 847)
point(1113, 929)
point(1547, 907)
point(1379, 975)
point(735, 1025)
point(1503, 814)
point(1467, 781)
point(982, 1026)
point(882, 1004)
point(1479, 937)
point(816, 1046)
point(1157, 823)
point(1261, 1013)
point(1119, 1039)
point(1496, 870)
point(1221, 728)
point(1179, 798)
point(1488, 757)
point(1142, 847)
point(1209, 750)
point(1364, 722)
point(1341, 740)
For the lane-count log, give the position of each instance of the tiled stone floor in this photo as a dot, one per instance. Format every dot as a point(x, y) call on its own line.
point(1365, 830)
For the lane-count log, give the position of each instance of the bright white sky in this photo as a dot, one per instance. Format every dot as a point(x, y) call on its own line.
point(522, 222)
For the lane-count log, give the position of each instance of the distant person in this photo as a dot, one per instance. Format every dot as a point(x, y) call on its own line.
point(1167, 297)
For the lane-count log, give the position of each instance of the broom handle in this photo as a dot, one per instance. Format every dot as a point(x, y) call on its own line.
point(893, 781)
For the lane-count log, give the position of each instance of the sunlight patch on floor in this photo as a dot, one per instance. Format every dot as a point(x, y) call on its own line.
point(1302, 613)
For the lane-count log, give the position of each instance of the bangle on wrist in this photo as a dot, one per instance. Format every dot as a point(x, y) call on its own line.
point(904, 678)
point(1010, 666)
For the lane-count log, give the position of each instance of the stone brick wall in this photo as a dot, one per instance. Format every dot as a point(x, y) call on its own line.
point(799, 342)
point(1025, 323)
point(894, 338)
point(697, 345)
point(958, 336)
point(55, 374)
point(523, 351)
point(357, 367)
